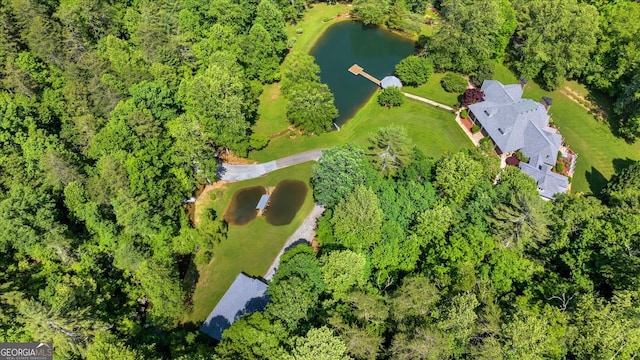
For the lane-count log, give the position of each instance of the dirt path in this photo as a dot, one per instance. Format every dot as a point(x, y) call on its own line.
point(570, 95)
point(593, 108)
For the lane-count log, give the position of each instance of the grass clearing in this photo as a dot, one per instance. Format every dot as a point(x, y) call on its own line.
point(250, 248)
point(272, 111)
point(433, 90)
point(313, 25)
point(600, 153)
point(433, 130)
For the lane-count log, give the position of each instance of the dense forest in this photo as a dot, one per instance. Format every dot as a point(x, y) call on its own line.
point(449, 259)
point(111, 113)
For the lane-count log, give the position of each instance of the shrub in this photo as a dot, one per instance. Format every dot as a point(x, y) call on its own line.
point(414, 70)
point(291, 42)
point(521, 156)
point(454, 83)
point(391, 96)
point(559, 155)
point(475, 129)
point(486, 145)
point(299, 31)
point(464, 114)
point(560, 167)
point(472, 96)
point(258, 141)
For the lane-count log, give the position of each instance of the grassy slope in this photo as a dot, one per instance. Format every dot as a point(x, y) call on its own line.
point(438, 137)
point(250, 248)
point(600, 153)
point(434, 91)
point(433, 130)
point(272, 109)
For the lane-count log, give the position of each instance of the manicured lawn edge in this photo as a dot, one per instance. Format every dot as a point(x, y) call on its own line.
point(250, 248)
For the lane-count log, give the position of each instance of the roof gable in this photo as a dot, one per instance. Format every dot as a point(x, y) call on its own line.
point(245, 296)
point(549, 183)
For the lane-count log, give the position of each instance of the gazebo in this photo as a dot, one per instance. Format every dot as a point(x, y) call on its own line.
point(390, 81)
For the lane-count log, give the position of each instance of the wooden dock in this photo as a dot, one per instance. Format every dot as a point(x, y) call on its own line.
point(357, 70)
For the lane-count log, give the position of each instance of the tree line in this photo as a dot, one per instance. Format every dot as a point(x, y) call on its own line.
point(451, 258)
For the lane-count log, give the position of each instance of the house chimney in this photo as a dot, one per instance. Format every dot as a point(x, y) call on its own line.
point(546, 101)
point(523, 82)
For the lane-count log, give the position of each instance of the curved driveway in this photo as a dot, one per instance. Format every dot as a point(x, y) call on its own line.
point(245, 172)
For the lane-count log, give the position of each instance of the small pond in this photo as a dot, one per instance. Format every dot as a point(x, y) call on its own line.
point(347, 43)
point(285, 201)
point(243, 205)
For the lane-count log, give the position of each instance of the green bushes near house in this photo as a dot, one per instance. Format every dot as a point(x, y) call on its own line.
point(475, 129)
point(521, 156)
point(391, 96)
point(560, 167)
point(454, 83)
point(464, 114)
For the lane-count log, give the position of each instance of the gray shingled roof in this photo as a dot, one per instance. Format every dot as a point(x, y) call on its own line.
point(514, 124)
point(549, 183)
point(245, 296)
point(390, 81)
point(263, 202)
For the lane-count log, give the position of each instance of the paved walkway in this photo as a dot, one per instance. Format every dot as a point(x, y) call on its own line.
point(244, 172)
point(305, 233)
point(430, 102)
point(475, 138)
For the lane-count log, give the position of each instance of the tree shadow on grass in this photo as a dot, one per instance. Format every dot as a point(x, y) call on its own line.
point(188, 272)
point(597, 181)
point(621, 164)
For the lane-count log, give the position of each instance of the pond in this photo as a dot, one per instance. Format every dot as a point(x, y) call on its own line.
point(347, 43)
point(243, 205)
point(285, 202)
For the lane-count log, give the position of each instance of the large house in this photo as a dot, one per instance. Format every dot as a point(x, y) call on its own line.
point(514, 123)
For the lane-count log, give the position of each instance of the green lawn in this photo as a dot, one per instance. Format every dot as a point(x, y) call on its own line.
point(272, 109)
point(433, 130)
point(313, 25)
point(600, 153)
point(250, 248)
point(433, 90)
point(272, 112)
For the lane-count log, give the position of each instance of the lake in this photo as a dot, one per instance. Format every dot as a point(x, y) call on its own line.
point(347, 43)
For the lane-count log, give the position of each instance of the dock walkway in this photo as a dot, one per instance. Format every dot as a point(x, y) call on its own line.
point(358, 70)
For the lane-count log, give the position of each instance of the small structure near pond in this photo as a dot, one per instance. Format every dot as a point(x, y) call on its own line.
point(245, 296)
point(356, 69)
point(264, 199)
point(242, 209)
point(389, 81)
